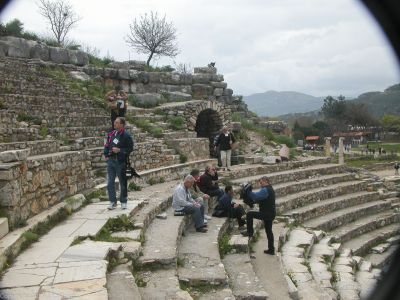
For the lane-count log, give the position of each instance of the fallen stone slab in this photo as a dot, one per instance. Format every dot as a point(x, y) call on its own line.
point(82, 270)
point(132, 234)
point(87, 289)
point(89, 251)
point(242, 278)
point(26, 293)
point(28, 276)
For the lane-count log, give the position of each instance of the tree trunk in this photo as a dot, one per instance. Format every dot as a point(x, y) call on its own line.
point(148, 60)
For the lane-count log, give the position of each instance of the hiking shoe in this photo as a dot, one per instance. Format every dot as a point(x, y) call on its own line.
point(112, 205)
point(123, 206)
point(202, 230)
point(207, 217)
point(245, 233)
point(205, 221)
point(270, 251)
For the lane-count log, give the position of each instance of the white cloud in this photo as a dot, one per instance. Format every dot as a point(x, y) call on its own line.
point(311, 46)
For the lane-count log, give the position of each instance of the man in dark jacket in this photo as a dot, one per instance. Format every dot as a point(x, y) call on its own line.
point(116, 151)
point(230, 209)
point(225, 141)
point(208, 185)
point(265, 198)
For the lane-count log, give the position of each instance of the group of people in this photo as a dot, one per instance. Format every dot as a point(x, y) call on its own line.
point(193, 195)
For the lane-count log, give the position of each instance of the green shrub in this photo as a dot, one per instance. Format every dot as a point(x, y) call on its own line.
point(176, 123)
point(156, 132)
point(29, 238)
point(44, 131)
point(283, 139)
point(134, 187)
point(182, 158)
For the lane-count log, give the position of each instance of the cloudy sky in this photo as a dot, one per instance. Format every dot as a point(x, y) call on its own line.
point(318, 47)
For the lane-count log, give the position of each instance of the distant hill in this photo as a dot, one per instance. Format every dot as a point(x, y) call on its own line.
point(381, 103)
point(274, 103)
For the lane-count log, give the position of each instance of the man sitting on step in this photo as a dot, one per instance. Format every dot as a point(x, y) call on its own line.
point(183, 202)
point(208, 185)
point(265, 198)
point(198, 195)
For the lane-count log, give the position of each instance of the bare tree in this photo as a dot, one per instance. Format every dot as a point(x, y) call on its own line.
point(61, 17)
point(154, 36)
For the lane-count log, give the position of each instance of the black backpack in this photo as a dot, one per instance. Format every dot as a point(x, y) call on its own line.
point(244, 194)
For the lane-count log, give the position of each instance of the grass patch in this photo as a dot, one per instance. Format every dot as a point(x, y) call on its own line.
point(182, 158)
point(176, 123)
point(95, 194)
point(22, 117)
point(134, 187)
point(155, 180)
point(44, 131)
point(223, 245)
point(291, 276)
point(370, 160)
point(29, 238)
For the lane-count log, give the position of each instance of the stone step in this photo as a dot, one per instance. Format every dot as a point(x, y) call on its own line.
point(3, 227)
point(242, 278)
point(295, 265)
point(36, 147)
point(317, 209)
point(304, 198)
point(19, 134)
point(162, 240)
point(367, 281)
point(162, 284)
point(360, 245)
point(121, 285)
point(200, 257)
point(382, 260)
point(243, 171)
point(321, 256)
point(344, 216)
point(79, 131)
point(292, 175)
point(44, 109)
point(173, 135)
point(346, 284)
point(16, 100)
point(288, 188)
point(218, 294)
point(364, 224)
point(72, 121)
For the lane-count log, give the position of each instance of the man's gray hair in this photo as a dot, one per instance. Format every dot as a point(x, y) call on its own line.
point(265, 178)
point(189, 178)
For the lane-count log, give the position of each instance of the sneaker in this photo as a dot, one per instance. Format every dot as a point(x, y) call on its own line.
point(245, 233)
point(270, 251)
point(202, 230)
point(207, 217)
point(205, 221)
point(123, 206)
point(112, 205)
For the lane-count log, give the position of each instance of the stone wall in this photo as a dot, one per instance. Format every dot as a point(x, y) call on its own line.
point(194, 149)
point(36, 147)
point(30, 186)
point(21, 48)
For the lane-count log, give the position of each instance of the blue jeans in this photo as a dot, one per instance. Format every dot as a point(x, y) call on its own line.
point(117, 168)
point(198, 214)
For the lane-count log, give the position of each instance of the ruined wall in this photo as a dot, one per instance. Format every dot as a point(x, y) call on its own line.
point(30, 185)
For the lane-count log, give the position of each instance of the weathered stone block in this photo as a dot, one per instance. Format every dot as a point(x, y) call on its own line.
point(205, 70)
point(14, 155)
point(3, 227)
point(59, 55)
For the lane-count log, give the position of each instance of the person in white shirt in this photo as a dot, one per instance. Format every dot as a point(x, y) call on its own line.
point(182, 201)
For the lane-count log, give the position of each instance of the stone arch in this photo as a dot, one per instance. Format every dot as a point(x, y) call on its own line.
point(208, 124)
point(206, 118)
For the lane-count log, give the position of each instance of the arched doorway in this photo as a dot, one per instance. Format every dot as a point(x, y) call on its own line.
point(208, 124)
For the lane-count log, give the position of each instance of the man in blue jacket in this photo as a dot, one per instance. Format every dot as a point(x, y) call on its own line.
point(116, 151)
point(265, 198)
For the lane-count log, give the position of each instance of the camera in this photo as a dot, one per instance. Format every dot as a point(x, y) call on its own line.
point(244, 194)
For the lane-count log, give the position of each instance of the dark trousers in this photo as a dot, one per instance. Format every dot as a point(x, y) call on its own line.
point(238, 213)
point(198, 214)
point(267, 224)
point(117, 168)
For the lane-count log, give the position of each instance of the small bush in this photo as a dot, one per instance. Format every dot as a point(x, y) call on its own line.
point(29, 238)
point(283, 139)
point(182, 158)
point(156, 132)
point(176, 123)
point(134, 187)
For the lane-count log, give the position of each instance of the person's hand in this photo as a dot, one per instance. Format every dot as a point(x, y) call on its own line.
point(236, 205)
point(116, 150)
point(197, 204)
point(206, 197)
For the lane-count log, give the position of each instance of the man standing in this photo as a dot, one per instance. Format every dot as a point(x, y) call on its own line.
point(265, 198)
point(117, 102)
point(225, 141)
point(182, 201)
point(116, 151)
